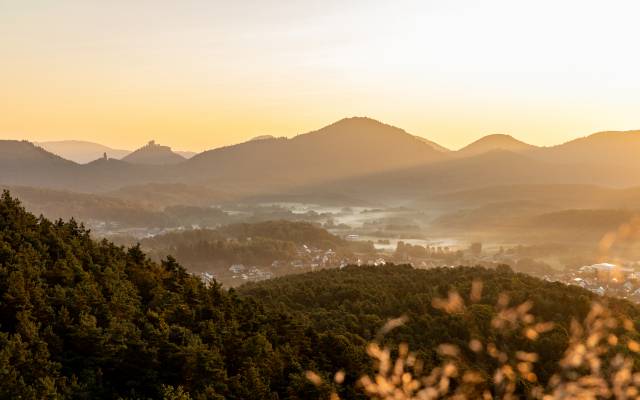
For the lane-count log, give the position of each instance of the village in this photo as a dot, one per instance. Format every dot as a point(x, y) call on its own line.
point(605, 279)
point(308, 259)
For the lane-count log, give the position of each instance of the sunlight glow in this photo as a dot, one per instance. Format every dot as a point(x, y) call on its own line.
point(197, 75)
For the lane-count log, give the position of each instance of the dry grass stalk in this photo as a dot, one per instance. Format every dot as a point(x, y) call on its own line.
point(592, 367)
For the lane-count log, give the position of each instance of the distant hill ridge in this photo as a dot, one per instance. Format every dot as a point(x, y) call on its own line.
point(81, 151)
point(262, 137)
point(22, 151)
point(154, 154)
point(358, 157)
point(618, 147)
point(495, 142)
point(349, 147)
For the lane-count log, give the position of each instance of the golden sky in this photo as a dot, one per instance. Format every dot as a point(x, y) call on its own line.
point(200, 74)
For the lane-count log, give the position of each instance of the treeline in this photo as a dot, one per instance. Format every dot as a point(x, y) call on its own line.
point(296, 232)
point(259, 244)
point(408, 250)
point(147, 206)
point(116, 212)
point(200, 254)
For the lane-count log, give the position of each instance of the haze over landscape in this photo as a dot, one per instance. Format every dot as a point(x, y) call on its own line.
point(319, 200)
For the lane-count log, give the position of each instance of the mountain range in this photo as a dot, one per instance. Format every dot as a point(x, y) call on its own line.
point(83, 152)
point(80, 151)
point(354, 156)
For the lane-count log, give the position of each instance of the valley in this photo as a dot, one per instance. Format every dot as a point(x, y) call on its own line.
point(420, 203)
point(319, 200)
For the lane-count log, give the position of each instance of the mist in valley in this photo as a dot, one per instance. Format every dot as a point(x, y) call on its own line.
point(496, 201)
point(274, 200)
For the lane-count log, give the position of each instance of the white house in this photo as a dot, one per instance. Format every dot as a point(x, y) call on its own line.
point(236, 268)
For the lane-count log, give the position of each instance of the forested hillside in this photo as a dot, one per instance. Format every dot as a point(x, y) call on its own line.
point(355, 302)
point(260, 244)
point(297, 232)
point(87, 320)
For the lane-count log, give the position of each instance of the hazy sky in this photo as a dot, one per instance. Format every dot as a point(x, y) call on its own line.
point(200, 74)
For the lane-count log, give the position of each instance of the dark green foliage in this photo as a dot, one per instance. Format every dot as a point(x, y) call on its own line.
point(81, 319)
point(212, 250)
point(355, 302)
point(296, 232)
point(252, 244)
point(85, 319)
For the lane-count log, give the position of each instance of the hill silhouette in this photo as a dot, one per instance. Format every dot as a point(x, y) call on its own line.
point(154, 154)
point(614, 147)
point(81, 151)
point(21, 154)
point(553, 195)
point(487, 169)
point(262, 137)
point(22, 162)
point(25, 164)
point(433, 144)
point(354, 157)
point(349, 147)
point(492, 143)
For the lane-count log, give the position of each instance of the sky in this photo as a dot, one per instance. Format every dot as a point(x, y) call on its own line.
point(197, 75)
